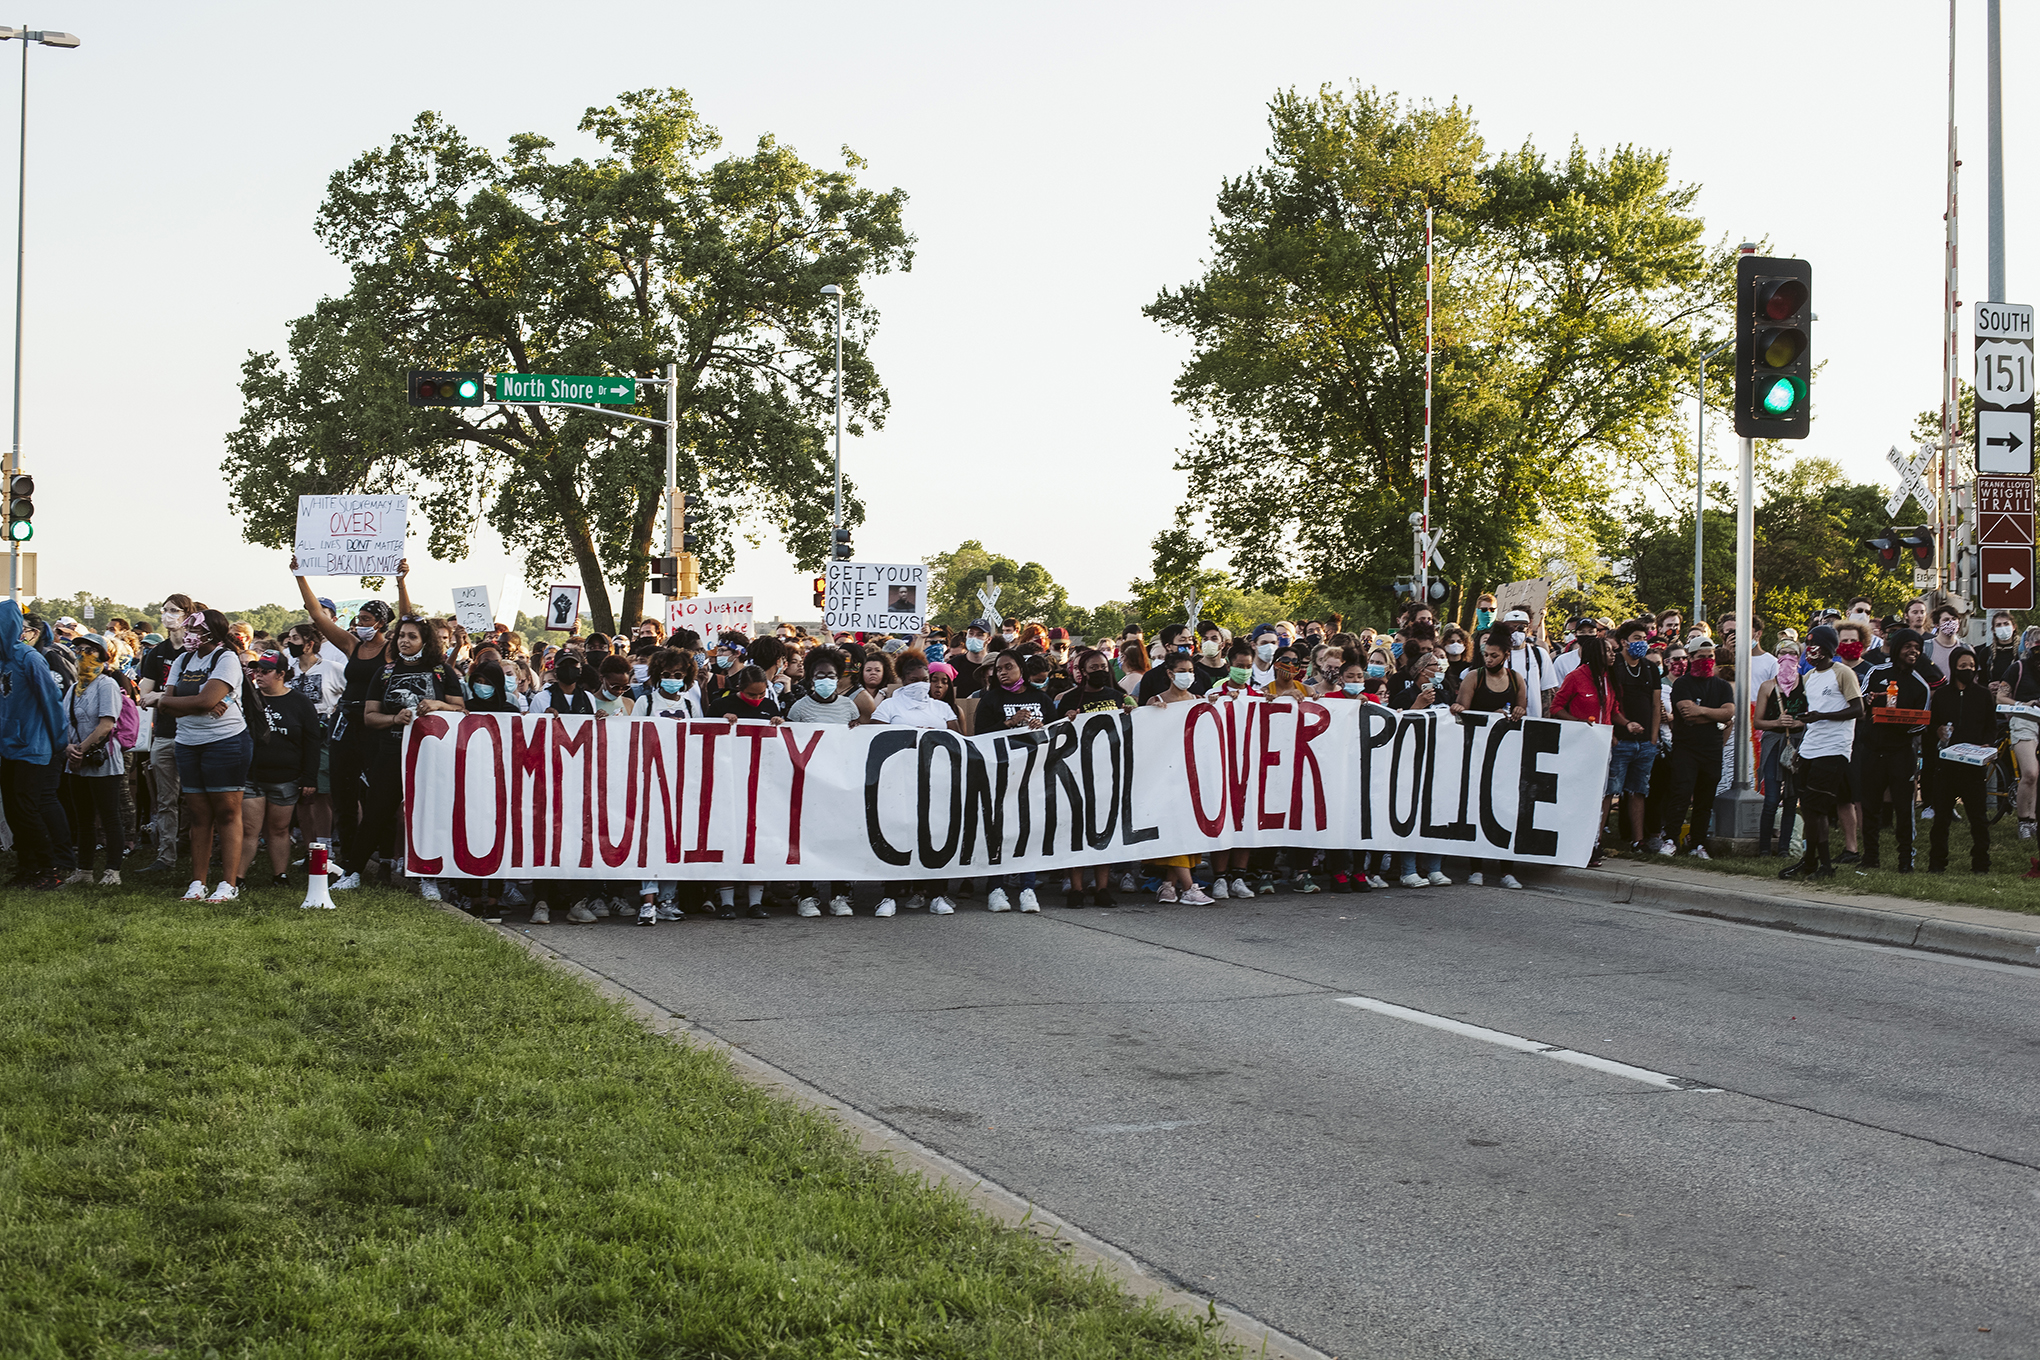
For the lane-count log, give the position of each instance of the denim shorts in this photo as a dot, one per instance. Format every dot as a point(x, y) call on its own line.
point(1629, 765)
point(217, 766)
point(276, 795)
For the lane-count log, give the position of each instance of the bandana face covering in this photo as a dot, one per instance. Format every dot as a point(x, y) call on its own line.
point(193, 640)
point(1788, 673)
point(1701, 666)
point(1676, 668)
point(1850, 651)
point(89, 666)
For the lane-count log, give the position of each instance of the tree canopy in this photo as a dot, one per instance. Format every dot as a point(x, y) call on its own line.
point(652, 252)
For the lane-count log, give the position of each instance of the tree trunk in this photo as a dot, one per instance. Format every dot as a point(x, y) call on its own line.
point(594, 590)
point(640, 552)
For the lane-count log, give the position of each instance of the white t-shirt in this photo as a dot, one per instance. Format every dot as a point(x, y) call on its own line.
point(655, 703)
point(1530, 662)
point(322, 682)
point(1763, 666)
point(200, 729)
point(1827, 691)
point(910, 706)
point(1563, 667)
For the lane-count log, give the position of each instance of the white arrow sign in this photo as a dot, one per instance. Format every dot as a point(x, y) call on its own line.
point(2010, 578)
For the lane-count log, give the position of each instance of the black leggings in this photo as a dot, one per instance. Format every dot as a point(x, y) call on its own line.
point(42, 834)
point(96, 800)
point(381, 803)
point(348, 795)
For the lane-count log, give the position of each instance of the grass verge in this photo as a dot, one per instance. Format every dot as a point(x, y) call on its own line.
point(256, 1131)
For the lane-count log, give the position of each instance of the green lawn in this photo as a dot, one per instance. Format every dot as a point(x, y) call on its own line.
point(259, 1131)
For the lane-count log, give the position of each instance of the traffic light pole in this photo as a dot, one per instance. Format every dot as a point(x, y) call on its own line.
point(20, 274)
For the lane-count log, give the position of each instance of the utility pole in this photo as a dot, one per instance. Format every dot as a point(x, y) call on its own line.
point(1950, 304)
point(1997, 162)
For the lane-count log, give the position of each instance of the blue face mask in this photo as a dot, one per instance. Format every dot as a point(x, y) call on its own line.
point(1376, 672)
point(824, 686)
point(672, 688)
point(1637, 648)
point(1353, 689)
point(485, 691)
point(936, 651)
point(1483, 617)
point(1038, 684)
point(1395, 649)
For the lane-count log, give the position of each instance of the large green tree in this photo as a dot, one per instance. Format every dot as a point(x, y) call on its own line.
point(1027, 593)
point(654, 251)
point(1572, 298)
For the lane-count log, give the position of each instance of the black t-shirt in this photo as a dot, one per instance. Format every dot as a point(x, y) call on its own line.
point(1970, 710)
point(730, 704)
point(579, 703)
point(156, 669)
point(1710, 692)
point(1208, 676)
point(289, 754)
point(1107, 700)
point(405, 687)
point(1636, 695)
point(969, 674)
point(996, 706)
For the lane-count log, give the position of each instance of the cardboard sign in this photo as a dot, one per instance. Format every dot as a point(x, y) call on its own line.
point(876, 597)
point(350, 535)
point(471, 608)
point(562, 608)
point(1529, 596)
point(709, 615)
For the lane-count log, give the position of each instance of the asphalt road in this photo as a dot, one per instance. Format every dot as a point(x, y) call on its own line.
point(1187, 1083)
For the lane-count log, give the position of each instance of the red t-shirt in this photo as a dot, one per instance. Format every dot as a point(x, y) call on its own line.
point(1580, 696)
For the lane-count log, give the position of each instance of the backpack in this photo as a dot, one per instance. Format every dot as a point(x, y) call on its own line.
point(127, 728)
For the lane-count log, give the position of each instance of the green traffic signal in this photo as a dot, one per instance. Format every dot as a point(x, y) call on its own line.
point(1781, 396)
point(20, 530)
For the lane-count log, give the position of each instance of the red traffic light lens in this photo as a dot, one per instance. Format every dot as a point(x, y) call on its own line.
point(1784, 298)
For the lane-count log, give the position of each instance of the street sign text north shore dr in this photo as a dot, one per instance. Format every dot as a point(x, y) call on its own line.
point(564, 387)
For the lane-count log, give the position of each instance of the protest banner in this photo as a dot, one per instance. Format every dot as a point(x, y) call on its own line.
point(562, 608)
point(471, 608)
point(350, 535)
point(709, 615)
point(539, 796)
point(875, 597)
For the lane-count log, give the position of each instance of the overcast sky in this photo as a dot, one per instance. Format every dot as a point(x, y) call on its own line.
point(1061, 161)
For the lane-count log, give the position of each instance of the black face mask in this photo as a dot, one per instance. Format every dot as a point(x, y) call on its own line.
point(1095, 679)
point(1965, 675)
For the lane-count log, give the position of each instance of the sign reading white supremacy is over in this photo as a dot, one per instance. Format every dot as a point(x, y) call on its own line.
point(491, 795)
point(350, 535)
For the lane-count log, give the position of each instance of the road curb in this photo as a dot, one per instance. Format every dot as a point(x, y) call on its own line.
point(1812, 915)
point(1254, 1337)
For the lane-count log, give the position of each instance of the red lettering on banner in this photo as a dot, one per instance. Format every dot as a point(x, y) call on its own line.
point(669, 794)
point(426, 728)
point(756, 732)
point(1307, 732)
point(613, 855)
point(527, 757)
point(799, 756)
point(562, 747)
point(1239, 761)
point(1264, 819)
point(1211, 825)
point(464, 857)
point(705, 795)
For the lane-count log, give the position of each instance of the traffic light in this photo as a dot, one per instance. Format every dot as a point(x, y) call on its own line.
point(821, 592)
point(1890, 552)
point(446, 389)
point(20, 508)
point(684, 517)
point(842, 551)
point(1920, 541)
point(665, 576)
point(1773, 347)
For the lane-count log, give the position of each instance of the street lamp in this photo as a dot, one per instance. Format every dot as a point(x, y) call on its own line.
point(830, 290)
point(48, 38)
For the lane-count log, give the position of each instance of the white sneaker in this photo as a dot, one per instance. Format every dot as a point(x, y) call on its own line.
point(1509, 881)
point(1926, 814)
point(917, 902)
point(807, 906)
point(996, 900)
point(1415, 881)
point(1475, 881)
point(1240, 888)
point(1193, 897)
point(2025, 834)
point(1700, 852)
point(839, 905)
point(580, 915)
point(226, 892)
point(941, 906)
point(1167, 894)
point(340, 884)
point(1219, 892)
point(647, 914)
point(80, 875)
point(541, 915)
point(110, 879)
point(513, 897)
point(1377, 881)
point(1027, 901)
point(194, 893)
point(428, 888)
point(1128, 883)
point(886, 908)
point(597, 906)
point(1438, 880)
point(670, 911)
point(1667, 849)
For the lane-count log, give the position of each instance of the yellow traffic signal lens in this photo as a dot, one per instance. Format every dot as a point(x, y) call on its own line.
point(1782, 347)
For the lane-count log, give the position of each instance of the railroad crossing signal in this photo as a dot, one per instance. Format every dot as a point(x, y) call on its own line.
point(1889, 551)
point(1773, 347)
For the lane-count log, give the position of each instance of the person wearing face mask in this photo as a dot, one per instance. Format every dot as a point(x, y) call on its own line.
point(33, 736)
point(415, 681)
point(1946, 637)
point(1780, 707)
point(1059, 646)
point(826, 704)
point(1633, 681)
point(1494, 687)
point(1095, 692)
point(1702, 703)
point(1999, 653)
point(1173, 641)
point(1964, 712)
point(2020, 685)
point(1483, 614)
point(1530, 661)
point(165, 797)
point(747, 698)
point(214, 749)
point(970, 657)
point(93, 766)
point(671, 692)
point(1887, 752)
point(1177, 885)
point(285, 765)
point(1214, 648)
point(611, 696)
point(1834, 700)
point(915, 704)
point(1267, 641)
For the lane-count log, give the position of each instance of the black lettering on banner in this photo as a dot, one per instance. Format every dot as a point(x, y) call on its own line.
point(1497, 834)
point(1462, 829)
point(1412, 722)
point(1429, 829)
point(1377, 727)
point(1031, 741)
point(1108, 729)
point(931, 742)
point(1534, 786)
point(1055, 770)
point(1129, 834)
point(883, 747)
point(981, 799)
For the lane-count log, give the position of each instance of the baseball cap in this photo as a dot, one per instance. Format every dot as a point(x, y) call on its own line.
point(267, 661)
point(1058, 635)
point(328, 605)
point(68, 622)
point(94, 640)
point(1516, 616)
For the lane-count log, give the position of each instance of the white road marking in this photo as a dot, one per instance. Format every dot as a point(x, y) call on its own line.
point(1519, 1044)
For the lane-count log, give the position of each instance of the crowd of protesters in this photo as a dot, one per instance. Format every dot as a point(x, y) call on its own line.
point(242, 746)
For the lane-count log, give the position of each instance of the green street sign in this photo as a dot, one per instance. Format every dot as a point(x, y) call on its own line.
point(561, 387)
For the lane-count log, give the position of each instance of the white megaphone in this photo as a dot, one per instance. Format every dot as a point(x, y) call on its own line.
point(318, 860)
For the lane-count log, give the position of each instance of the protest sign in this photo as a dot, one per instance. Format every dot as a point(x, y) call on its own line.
point(562, 608)
point(350, 535)
point(471, 608)
point(491, 795)
point(1529, 596)
point(710, 614)
point(875, 597)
